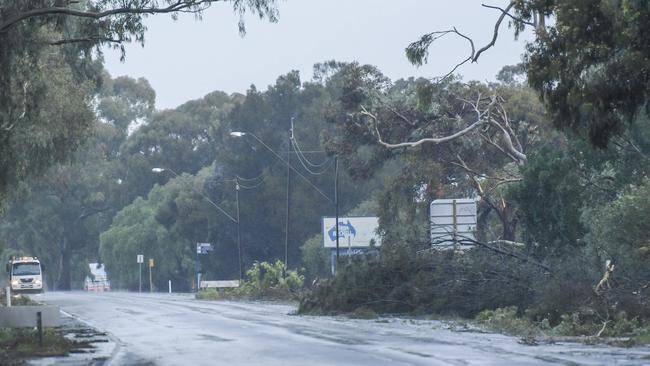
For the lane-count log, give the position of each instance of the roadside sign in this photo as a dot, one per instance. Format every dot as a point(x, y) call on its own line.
point(151, 264)
point(204, 248)
point(140, 258)
point(355, 232)
point(452, 221)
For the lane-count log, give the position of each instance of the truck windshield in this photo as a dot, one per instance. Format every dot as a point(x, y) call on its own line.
point(26, 269)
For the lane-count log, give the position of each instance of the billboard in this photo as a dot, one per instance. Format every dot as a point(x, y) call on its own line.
point(452, 220)
point(355, 232)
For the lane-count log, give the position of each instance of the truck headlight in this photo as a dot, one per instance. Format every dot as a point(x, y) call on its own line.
point(38, 282)
point(15, 283)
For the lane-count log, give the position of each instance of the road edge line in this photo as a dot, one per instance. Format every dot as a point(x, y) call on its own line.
point(113, 338)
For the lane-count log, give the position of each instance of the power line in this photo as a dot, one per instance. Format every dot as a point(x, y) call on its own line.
point(304, 161)
point(300, 153)
point(290, 167)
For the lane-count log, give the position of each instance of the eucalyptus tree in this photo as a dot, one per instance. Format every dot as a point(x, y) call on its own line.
point(179, 139)
point(60, 214)
point(589, 64)
point(451, 139)
point(165, 226)
point(50, 49)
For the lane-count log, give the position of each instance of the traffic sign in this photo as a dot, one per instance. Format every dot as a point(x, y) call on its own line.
point(204, 248)
point(140, 258)
point(151, 262)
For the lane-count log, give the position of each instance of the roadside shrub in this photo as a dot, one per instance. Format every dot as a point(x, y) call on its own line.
point(19, 300)
point(567, 289)
point(264, 281)
point(506, 320)
point(267, 278)
point(363, 312)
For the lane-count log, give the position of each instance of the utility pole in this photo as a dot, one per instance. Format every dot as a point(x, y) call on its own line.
point(286, 229)
point(197, 269)
point(336, 204)
point(140, 278)
point(241, 273)
point(140, 259)
point(150, 277)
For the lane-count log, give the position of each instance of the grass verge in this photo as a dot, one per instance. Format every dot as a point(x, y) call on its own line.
point(19, 345)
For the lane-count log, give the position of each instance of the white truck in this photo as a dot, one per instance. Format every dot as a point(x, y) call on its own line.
point(25, 275)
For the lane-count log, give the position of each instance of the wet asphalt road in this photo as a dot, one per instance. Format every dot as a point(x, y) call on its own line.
point(162, 329)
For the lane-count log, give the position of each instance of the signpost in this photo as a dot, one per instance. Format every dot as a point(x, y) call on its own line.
point(452, 221)
point(360, 233)
point(151, 264)
point(201, 248)
point(140, 260)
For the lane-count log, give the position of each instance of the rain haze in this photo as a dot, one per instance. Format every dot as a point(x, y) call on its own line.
point(207, 197)
point(186, 59)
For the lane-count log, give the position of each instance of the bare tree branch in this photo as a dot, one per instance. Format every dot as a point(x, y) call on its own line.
point(417, 52)
point(435, 140)
point(505, 12)
point(179, 5)
point(83, 40)
point(495, 34)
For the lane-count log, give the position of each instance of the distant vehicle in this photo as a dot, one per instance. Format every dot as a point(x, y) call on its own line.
point(99, 281)
point(25, 275)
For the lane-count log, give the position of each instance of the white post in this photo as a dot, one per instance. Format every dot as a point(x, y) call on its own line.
point(140, 279)
point(349, 248)
point(170, 286)
point(8, 292)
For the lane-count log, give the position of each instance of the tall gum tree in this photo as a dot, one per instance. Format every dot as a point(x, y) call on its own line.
point(590, 63)
point(32, 138)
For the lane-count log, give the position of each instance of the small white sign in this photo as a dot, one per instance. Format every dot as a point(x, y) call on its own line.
point(140, 258)
point(219, 284)
point(357, 231)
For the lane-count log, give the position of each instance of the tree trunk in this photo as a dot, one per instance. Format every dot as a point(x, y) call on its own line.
point(64, 281)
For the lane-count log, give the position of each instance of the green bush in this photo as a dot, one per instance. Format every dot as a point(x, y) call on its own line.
point(363, 312)
point(267, 278)
point(506, 320)
point(264, 281)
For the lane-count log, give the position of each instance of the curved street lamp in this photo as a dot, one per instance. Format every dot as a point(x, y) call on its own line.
point(235, 220)
point(336, 185)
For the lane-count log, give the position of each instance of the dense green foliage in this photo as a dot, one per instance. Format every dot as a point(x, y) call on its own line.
point(563, 203)
point(591, 66)
point(50, 70)
point(589, 63)
point(556, 153)
point(263, 280)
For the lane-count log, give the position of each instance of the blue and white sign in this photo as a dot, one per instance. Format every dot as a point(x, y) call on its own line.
point(204, 248)
point(354, 232)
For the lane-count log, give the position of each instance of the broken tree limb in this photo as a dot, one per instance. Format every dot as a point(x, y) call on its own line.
point(609, 269)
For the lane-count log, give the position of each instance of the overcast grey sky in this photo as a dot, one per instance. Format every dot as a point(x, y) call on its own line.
point(186, 59)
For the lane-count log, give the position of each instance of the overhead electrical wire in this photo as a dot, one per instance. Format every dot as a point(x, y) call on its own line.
point(299, 150)
point(325, 165)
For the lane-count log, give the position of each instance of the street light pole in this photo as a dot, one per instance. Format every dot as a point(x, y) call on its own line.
point(336, 204)
point(289, 169)
point(241, 273)
point(286, 227)
point(236, 221)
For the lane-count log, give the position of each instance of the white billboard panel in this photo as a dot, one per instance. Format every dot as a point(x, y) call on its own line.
point(452, 220)
point(355, 231)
